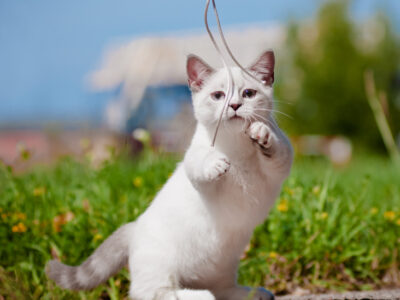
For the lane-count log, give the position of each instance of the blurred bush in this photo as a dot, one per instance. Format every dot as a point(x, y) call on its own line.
point(324, 77)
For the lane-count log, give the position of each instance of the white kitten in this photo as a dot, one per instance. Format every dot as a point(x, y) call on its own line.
point(188, 243)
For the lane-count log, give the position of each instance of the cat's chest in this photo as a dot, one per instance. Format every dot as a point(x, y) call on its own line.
point(245, 179)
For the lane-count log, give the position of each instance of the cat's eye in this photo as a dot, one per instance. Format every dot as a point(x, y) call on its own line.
point(218, 95)
point(249, 93)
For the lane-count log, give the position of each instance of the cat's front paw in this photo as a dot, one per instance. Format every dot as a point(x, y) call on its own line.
point(216, 165)
point(261, 133)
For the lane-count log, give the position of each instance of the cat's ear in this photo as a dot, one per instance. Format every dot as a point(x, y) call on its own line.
point(264, 67)
point(197, 71)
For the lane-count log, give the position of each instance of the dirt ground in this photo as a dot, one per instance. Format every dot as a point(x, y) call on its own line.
point(382, 294)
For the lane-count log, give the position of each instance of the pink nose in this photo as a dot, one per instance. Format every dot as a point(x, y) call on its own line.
point(235, 106)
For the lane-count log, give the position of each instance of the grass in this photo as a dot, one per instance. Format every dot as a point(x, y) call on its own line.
point(331, 229)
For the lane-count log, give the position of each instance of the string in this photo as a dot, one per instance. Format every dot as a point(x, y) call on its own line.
point(228, 49)
point(231, 84)
point(229, 91)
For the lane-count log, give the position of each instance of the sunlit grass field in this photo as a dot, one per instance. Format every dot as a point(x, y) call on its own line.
point(331, 229)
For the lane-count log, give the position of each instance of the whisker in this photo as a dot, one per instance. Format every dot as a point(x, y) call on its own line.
point(265, 120)
point(274, 111)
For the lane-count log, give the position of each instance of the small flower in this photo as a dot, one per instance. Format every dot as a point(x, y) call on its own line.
point(4, 216)
point(389, 215)
point(373, 211)
point(20, 227)
point(60, 220)
point(117, 283)
point(273, 254)
point(398, 222)
point(97, 237)
point(39, 191)
point(323, 215)
point(316, 189)
point(86, 204)
point(289, 191)
point(141, 135)
point(137, 182)
point(283, 205)
point(20, 216)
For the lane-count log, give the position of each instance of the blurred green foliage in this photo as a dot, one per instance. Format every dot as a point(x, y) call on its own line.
point(324, 77)
point(330, 229)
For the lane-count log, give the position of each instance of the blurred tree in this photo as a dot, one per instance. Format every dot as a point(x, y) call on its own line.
point(324, 78)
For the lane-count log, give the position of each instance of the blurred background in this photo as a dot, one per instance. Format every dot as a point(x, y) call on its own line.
point(88, 84)
point(79, 77)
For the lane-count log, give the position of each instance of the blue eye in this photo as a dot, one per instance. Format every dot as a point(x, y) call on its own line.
point(219, 95)
point(249, 93)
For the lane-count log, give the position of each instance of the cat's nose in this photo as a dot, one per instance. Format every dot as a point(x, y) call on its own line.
point(235, 106)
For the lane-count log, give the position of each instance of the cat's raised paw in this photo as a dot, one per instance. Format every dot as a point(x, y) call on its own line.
point(261, 133)
point(215, 165)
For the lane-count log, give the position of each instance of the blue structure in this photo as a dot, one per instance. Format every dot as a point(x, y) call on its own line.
point(159, 106)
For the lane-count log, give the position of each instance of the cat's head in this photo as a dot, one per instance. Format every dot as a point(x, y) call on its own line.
point(252, 100)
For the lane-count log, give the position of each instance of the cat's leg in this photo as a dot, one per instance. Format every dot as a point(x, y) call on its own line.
point(158, 292)
point(275, 150)
point(243, 293)
point(162, 293)
point(155, 284)
point(185, 294)
point(153, 277)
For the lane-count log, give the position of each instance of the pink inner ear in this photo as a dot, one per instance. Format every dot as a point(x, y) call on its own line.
point(197, 72)
point(264, 67)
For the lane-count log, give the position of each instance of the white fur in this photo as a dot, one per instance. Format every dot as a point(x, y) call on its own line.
point(188, 243)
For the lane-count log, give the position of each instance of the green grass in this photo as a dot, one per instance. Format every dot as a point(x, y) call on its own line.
point(331, 229)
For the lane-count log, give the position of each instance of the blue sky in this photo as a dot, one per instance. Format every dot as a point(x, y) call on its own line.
point(47, 47)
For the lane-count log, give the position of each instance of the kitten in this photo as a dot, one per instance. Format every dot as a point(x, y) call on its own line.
point(187, 244)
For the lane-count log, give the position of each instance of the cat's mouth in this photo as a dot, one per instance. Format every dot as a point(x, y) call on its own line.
point(236, 117)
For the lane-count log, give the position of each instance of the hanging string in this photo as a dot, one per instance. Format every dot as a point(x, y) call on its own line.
point(231, 84)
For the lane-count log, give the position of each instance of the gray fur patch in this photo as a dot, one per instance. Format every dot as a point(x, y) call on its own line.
point(107, 260)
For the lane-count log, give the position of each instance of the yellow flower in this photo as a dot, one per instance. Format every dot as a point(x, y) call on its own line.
point(20, 227)
point(398, 222)
point(316, 189)
point(137, 182)
point(39, 191)
point(389, 215)
point(373, 211)
point(283, 205)
point(97, 237)
point(20, 216)
point(4, 216)
point(289, 191)
point(117, 283)
point(273, 254)
point(323, 215)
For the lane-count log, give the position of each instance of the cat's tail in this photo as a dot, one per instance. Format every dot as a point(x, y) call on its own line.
point(106, 260)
